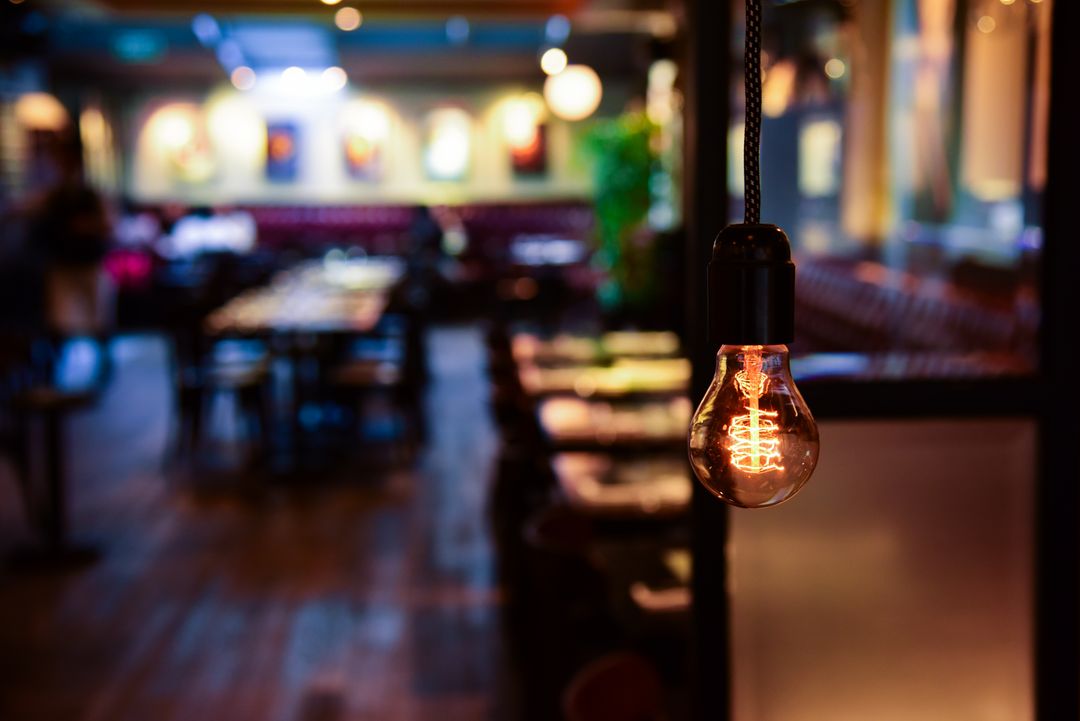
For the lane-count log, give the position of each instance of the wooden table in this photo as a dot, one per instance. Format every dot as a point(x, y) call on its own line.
point(594, 425)
point(564, 349)
point(317, 297)
point(624, 377)
point(597, 484)
point(309, 301)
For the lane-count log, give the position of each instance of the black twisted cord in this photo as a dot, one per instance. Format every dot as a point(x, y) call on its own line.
point(752, 134)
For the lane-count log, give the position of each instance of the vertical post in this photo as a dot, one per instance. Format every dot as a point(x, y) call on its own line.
point(55, 525)
point(1057, 543)
point(708, 75)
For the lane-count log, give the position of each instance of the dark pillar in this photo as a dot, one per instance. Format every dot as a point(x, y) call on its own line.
point(707, 85)
point(1057, 567)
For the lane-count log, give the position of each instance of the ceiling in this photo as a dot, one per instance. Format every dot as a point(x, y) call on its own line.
point(148, 41)
point(387, 9)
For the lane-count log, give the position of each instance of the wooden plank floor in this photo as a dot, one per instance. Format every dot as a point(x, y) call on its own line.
point(371, 597)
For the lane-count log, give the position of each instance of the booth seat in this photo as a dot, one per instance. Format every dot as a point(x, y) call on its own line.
point(860, 306)
point(384, 229)
point(380, 230)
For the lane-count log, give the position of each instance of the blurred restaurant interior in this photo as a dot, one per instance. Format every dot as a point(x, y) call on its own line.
point(349, 348)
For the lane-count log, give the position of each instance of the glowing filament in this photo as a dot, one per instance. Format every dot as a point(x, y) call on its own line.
point(755, 436)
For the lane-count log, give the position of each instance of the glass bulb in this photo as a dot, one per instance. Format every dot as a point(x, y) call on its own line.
point(753, 442)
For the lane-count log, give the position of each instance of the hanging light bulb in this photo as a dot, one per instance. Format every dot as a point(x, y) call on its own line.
point(753, 441)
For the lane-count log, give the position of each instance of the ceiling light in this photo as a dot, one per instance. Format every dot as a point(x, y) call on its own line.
point(243, 78)
point(292, 78)
point(334, 78)
point(573, 94)
point(172, 127)
point(520, 123)
point(206, 29)
point(367, 119)
point(835, 68)
point(40, 111)
point(230, 54)
point(557, 29)
point(446, 156)
point(553, 61)
point(457, 30)
point(348, 19)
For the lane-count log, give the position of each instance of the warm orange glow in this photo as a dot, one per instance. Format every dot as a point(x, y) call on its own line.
point(754, 436)
point(348, 19)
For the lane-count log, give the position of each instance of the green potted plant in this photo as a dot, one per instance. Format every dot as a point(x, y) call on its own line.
point(623, 163)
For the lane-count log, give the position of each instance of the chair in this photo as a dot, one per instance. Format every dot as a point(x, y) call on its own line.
point(383, 366)
point(616, 687)
point(239, 368)
point(29, 393)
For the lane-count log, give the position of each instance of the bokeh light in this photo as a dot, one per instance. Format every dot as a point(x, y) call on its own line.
point(553, 61)
point(348, 19)
point(575, 93)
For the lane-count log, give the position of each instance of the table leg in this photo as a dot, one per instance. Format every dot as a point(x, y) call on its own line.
point(54, 521)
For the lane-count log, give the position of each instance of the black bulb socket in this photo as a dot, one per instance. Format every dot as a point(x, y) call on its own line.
point(751, 286)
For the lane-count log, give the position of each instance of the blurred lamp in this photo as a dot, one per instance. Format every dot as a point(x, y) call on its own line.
point(457, 30)
point(367, 119)
point(236, 128)
point(557, 29)
point(521, 120)
point(778, 88)
point(660, 101)
point(229, 53)
point(553, 61)
point(348, 19)
point(334, 79)
point(206, 29)
point(40, 111)
point(447, 154)
point(173, 126)
point(292, 79)
point(243, 78)
point(573, 94)
point(835, 68)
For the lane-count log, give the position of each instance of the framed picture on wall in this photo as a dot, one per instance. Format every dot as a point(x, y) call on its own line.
point(366, 127)
point(363, 156)
point(529, 157)
point(282, 151)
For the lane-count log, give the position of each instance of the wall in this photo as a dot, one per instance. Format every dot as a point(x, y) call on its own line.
point(897, 585)
point(235, 138)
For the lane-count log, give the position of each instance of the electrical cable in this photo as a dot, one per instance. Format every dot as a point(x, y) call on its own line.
point(752, 133)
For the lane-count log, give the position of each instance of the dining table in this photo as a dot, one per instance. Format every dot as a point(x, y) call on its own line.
point(316, 297)
point(571, 423)
point(603, 486)
point(624, 377)
point(300, 313)
point(572, 349)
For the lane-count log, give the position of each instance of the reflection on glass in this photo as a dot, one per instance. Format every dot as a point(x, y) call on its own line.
point(907, 137)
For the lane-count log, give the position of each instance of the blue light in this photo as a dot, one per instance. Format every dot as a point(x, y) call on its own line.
point(139, 46)
point(229, 54)
point(557, 29)
point(206, 29)
point(457, 30)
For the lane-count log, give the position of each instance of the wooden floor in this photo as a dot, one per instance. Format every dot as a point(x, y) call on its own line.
point(371, 597)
